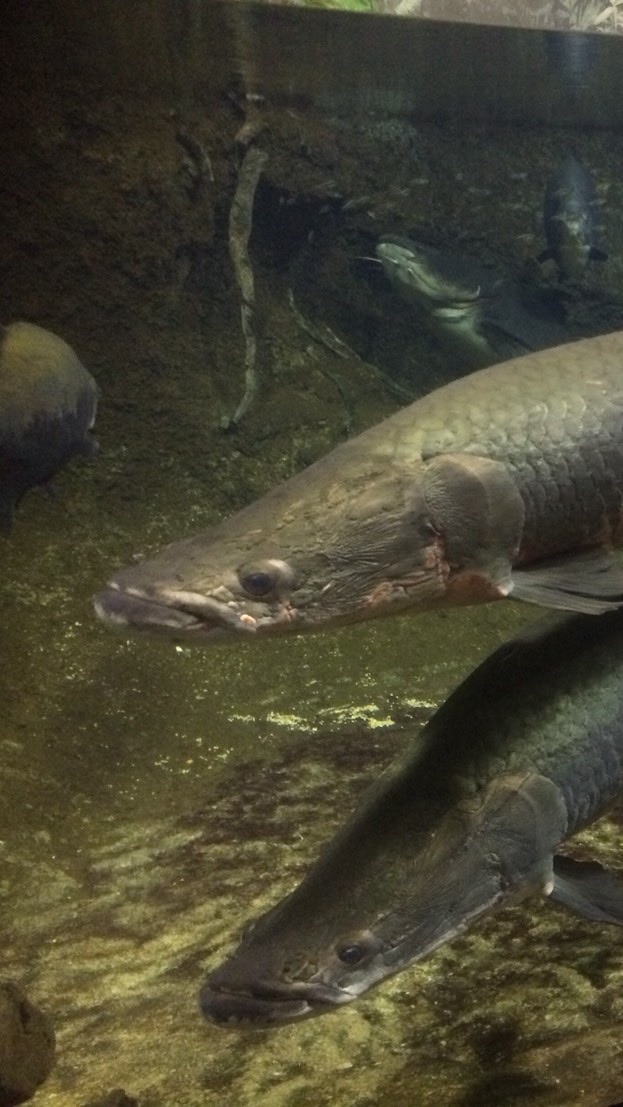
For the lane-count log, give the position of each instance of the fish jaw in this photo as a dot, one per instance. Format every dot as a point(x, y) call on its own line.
point(179, 614)
point(271, 1005)
point(167, 608)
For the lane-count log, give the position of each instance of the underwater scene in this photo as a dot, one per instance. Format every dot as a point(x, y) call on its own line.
point(411, 650)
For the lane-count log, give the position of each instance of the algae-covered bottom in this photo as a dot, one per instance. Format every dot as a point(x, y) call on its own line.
point(157, 798)
point(525, 1009)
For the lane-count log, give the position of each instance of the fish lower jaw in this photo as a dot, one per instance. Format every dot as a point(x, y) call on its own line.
point(174, 613)
point(231, 1009)
point(244, 1009)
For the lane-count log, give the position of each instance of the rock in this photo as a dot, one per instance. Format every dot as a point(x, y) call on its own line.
point(116, 1098)
point(26, 1046)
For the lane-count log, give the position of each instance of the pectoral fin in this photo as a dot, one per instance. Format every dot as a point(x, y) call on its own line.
point(591, 582)
point(588, 889)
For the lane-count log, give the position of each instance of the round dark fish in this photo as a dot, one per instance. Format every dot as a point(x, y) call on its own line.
point(48, 402)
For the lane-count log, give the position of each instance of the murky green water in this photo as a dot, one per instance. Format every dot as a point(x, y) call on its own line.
point(155, 797)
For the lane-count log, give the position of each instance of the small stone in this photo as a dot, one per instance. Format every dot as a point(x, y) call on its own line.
point(27, 1046)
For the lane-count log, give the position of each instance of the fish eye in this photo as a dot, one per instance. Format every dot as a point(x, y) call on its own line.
point(257, 584)
point(351, 954)
point(264, 577)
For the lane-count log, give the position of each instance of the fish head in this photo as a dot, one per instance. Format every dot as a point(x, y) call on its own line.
point(289, 987)
point(417, 865)
point(435, 280)
point(349, 538)
point(458, 298)
point(329, 943)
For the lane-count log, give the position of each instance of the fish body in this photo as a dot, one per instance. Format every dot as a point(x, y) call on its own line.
point(502, 483)
point(570, 220)
point(48, 402)
point(480, 317)
point(526, 752)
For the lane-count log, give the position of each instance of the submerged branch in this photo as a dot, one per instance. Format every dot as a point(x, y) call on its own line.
point(240, 226)
point(324, 336)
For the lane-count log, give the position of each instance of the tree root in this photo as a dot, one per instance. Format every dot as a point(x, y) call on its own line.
point(240, 226)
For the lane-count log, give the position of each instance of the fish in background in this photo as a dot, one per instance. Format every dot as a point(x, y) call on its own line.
point(48, 402)
point(479, 317)
point(507, 482)
point(570, 220)
point(526, 752)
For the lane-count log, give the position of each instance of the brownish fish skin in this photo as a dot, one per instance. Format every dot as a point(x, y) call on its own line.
point(459, 498)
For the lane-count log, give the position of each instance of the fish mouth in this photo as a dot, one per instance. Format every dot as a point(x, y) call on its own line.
point(270, 1005)
point(170, 612)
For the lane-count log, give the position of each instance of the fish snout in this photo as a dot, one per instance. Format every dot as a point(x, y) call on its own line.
point(168, 611)
point(226, 999)
point(234, 1008)
point(253, 598)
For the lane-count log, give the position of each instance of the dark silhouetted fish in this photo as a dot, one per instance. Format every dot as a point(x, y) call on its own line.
point(499, 484)
point(570, 220)
point(48, 402)
point(480, 317)
point(526, 752)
